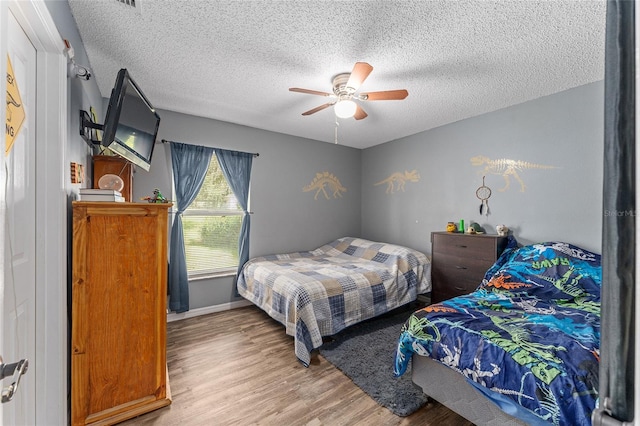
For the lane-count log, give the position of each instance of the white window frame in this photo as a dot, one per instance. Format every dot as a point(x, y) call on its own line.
point(217, 272)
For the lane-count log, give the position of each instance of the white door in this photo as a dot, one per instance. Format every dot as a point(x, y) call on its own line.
point(19, 315)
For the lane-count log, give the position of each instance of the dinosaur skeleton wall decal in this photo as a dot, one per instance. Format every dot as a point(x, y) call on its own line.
point(322, 180)
point(507, 168)
point(396, 181)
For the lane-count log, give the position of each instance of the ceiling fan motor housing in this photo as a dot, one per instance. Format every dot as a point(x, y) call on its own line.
point(340, 88)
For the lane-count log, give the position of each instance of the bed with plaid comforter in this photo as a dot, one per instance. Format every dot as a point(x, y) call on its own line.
point(318, 293)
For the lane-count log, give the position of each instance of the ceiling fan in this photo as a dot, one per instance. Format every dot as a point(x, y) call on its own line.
point(345, 86)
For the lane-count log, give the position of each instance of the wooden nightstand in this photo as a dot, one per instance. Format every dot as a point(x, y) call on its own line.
point(459, 261)
point(112, 164)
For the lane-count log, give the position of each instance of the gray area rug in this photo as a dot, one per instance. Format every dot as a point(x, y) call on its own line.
point(365, 352)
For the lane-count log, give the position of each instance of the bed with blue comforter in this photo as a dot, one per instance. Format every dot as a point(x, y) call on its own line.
point(528, 338)
point(318, 293)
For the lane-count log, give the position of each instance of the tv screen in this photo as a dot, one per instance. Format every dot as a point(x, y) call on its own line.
point(131, 123)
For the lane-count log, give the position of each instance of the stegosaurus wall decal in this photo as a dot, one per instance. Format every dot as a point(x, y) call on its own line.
point(506, 168)
point(323, 180)
point(396, 181)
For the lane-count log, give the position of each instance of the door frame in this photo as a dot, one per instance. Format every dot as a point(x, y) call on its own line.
point(636, 339)
point(51, 366)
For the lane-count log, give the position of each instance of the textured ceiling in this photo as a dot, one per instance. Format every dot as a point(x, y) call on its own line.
point(235, 60)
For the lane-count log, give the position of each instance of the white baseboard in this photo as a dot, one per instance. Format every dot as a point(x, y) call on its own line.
point(207, 310)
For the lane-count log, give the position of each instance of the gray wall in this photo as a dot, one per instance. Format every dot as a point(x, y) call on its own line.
point(285, 218)
point(564, 130)
point(82, 94)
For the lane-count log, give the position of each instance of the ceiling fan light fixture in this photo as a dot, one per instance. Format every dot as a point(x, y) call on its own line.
point(345, 108)
point(345, 86)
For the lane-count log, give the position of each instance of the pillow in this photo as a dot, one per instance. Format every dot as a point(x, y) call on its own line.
point(552, 270)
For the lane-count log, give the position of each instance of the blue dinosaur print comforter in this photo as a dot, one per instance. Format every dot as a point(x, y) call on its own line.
point(529, 335)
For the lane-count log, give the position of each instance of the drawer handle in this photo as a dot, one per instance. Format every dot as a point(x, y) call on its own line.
point(460, 288)
point(461, 245)
point(461, 267)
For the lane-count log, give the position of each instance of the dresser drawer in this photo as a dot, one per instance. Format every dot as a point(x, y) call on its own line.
point(460, 261)
point(452, 275)
point(447, 293)
point(456, 284)
point(456, 266)
point(471, 246)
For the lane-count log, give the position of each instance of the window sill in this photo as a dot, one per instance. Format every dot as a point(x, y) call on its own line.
point(212, 275)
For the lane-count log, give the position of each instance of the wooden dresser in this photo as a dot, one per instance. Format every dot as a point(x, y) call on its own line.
point(119, 293)
point(459, 261)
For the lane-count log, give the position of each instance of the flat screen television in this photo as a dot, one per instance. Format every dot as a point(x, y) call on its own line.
point(131, 123)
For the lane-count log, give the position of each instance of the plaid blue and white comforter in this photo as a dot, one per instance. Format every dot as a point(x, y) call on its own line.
point(318, 293)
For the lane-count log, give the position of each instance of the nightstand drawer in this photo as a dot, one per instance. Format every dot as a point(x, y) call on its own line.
point(470, 246)
point(459, 262)
point(448, 293)
point(455, 266)
point(443, 283)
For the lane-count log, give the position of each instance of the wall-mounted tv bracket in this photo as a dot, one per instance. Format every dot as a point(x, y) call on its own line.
point(86, 124)
point(17, 369)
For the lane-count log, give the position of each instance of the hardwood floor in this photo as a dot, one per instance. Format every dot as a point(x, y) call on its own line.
point(238, 368)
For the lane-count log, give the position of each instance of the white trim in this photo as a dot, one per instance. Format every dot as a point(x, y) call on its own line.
point(223, 273)
point(51, 211)
point(636, 382)
point(207, 310)
point(3, 71)
point(51, 219)
point(208, 213)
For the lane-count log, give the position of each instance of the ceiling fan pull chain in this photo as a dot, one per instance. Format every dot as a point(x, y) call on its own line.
point(336, 133)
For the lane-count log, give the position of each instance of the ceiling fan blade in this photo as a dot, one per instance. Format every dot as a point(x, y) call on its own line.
point(360, 72)
point(310, 92)
point(386, 95)
point(316, 109)
point(360, 114)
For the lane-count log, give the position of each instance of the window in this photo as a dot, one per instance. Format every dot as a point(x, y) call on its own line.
point(212, 226)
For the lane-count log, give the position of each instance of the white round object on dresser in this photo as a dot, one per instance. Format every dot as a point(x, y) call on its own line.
point(110, 181)
point(502, 230)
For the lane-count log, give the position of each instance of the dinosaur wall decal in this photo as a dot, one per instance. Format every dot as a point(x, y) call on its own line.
point(396, 181)
point(506, 168)
point(322, 180)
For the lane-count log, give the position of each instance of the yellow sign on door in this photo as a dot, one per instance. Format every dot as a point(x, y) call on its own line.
point(15, 110)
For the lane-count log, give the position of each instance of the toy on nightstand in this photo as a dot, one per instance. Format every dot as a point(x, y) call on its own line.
point(502, 230)
point(452, 227)
point(474, 228)
point(156, 198)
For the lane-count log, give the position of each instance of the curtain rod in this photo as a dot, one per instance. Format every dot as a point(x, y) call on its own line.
point(255, 154)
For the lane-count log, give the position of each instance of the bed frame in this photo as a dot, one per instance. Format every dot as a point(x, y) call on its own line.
point(451, 389)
